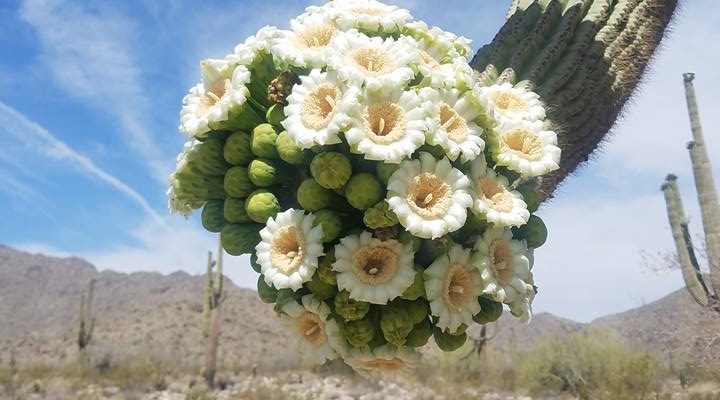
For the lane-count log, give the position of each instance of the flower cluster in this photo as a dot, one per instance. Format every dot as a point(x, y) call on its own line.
point(384, 192)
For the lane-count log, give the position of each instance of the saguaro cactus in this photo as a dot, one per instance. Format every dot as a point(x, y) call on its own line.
point(585, 58)
point(86, 323)
point(213, 297)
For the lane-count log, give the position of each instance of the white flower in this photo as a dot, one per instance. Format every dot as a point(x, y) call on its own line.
point(318, 335)
point(373, 270)
point(307, 43)
point(208, 104)
point(494, 199)
point(437, 42)
point(390, 125)
point(451, 124)
point(505, 270)
point(376, 62)
point(369, 15)
point(509, 103)
point(382, 361)
point(429, 197)
point(526, 147)
point(289, 249)
point(317, 109)
point(453, 286)
point(246, 53)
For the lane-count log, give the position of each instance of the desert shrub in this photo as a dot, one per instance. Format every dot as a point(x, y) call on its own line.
point(592, 365)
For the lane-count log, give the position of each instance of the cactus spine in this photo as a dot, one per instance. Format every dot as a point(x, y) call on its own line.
point(704, 292)
point(86, 323)
point(585, 58)
point(213, 297)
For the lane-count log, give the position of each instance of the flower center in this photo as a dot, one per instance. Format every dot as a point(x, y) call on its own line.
point(375, 265)
point(372, 60)
point(428, 60)
point(288, 250)
point(429, 196)
point(501, 261)
point(372, 11)
point(452, 123)
point(312, 328)
point(385, 122)
point(317, 108)
point(316, 36)
point(524, 142)
point(457, 290)
point(212, 96)
point(508, 101)
point(381, 364)
point(498, 196)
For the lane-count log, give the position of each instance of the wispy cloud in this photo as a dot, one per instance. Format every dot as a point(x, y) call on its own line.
point(37, 138)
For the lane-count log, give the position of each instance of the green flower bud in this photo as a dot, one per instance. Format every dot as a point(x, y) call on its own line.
point(267, 293)
point(436, 151)
point(313, 197)
point(207, 157)
point(420, 334)
point(320, 289)
point(447, 342)
point(531, 195)
point(359, 333)
point(237, 184)
point(512, 176)
point(380, 216)
point(212, 216)
point(288, 151)
point(490, 311)
point(275, 114)
point(417, 310)
point(417, 289)
point(237, 149)
point(263, 172)
point(234, 211)
point(254, 263)
point(331, 169)
point(396, 322)
point(195, 189)
point(474, 226)
point(406, 237)
point(261, 205)
point(534, 232)
point(331, 224)
point(262, 141)
point(385, 171)
point(349, 309)
point(238, 239)
point(430, 250)
point(324, 270)
point(364, 191)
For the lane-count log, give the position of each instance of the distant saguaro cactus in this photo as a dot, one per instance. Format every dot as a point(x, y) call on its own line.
point(213, 297)
point(86, 323)
point(702, 288)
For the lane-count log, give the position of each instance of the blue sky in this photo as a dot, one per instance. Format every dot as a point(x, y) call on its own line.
point(89, 101)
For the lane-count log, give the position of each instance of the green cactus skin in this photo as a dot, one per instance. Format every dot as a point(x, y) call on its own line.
point(288, 151)
point(349, 309)
point(359, 333)
point(364, 191)
point(396, 322)
point(331, 170)
point(275, 115)
point(207, 157)
point(313, 197)
point(585, 58)
point(447, 342)
point(420, 334)
point(212, 216)
point(264, 172)
point(384, 171)
point(262, 141)
point(199, 188)
point(430, 250)
point(325, 271)
point(237, 183)
point(331, 223)
point(474, 226)
point(261, 205)
point(239, 239)
point(490, 311)
point(267, 293)
point(237, 149)
point(234, 211)
point(529, 192)
point(263, 71)
point(535, 232)
point(320, 289)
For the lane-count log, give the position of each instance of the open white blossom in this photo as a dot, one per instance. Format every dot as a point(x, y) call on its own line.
point(373, 270)
point(389, 126)
point(429, 197)
point(369, 15)
point(307, 44)
point(319, 336)
point(507, 102)
point(451, 124)
point(289, 249)
point(318, 109)
point(494, 199)
point(246, 53)
point(526, 147)
point(453, 286)
point(505, 270)
point(382, 361)
point(378, 63)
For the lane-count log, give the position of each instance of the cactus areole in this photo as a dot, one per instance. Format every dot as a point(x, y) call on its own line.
point(393, 184)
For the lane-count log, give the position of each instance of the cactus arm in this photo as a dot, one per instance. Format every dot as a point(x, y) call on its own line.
point(685, 251)
point(207, 288)
point(585, 62)
point(705, 184)
point(219, 274)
